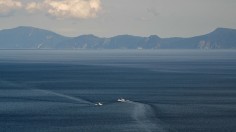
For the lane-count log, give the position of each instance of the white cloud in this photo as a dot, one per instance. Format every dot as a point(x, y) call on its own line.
point(8, 5)
point(82, 9)
point(73, 8)
point(33, 6)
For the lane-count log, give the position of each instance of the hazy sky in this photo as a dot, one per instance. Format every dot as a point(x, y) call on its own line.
point(166, 18)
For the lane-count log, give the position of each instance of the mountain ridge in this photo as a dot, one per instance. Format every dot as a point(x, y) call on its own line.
point(24, 37)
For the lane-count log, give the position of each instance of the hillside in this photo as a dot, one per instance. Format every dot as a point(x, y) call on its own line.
point(35, 38)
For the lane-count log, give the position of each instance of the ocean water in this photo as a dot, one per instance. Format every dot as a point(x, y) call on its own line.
point(169, 91)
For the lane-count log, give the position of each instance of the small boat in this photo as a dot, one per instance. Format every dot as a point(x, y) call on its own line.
point(98, 104)
point(121, 100)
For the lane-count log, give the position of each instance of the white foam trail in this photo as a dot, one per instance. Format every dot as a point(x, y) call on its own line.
point(65, 96)
point(145, 118)
point(8, 83)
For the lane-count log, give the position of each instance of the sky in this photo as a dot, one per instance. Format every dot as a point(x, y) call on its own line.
point(107, 18)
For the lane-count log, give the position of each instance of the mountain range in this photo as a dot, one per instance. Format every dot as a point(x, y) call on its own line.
point(35, 38)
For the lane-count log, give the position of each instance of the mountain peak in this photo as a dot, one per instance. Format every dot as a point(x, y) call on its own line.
point(154, 36)
point(220, 29)
point(88, 36)
point(26, 28)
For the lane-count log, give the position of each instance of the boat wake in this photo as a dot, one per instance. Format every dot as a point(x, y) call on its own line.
point(80, 100)
point(18, 85)
point(146, 119)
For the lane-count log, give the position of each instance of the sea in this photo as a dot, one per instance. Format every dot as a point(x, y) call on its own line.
point(78, 90)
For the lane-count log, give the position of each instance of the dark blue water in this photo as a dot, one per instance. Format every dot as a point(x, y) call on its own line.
point(169, 91)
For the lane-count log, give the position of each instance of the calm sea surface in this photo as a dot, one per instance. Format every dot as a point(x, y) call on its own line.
point(169, 91)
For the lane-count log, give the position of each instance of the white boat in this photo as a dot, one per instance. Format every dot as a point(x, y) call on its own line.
point(121, 100)
point(98, 104)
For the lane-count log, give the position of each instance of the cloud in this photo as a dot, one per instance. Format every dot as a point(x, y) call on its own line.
point(78, 9)
point(6, 6)
point(73, 8)
point(33, 6)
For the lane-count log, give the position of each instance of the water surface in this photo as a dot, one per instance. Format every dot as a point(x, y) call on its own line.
point(169, 91)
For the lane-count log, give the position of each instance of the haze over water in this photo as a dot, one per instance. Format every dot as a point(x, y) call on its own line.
point(169, 90)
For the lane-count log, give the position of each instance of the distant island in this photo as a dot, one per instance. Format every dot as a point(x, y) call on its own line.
point(35, 38)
